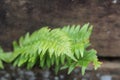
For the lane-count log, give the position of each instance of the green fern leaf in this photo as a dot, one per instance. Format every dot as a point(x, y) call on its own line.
point(61, 47)
point(71, 67)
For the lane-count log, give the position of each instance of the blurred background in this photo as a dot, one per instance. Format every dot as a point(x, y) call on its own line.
point(20, 16)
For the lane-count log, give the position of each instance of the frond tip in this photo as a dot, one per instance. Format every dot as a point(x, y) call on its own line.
point(61, 47)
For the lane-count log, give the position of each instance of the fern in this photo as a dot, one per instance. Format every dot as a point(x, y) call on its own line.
point(1, 63)
point(61, 47)
point(45, 46)
point(4, 56)
point(79, 37)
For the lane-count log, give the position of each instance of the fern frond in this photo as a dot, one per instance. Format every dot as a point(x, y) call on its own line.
point(61, 47)
point(41, 43)
point(4, 56)
point(90, 57)
point(79, 37)
point(1, 64)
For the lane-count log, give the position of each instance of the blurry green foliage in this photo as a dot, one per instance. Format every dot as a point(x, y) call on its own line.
point(60, 47)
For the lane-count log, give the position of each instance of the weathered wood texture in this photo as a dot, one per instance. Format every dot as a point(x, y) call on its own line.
point(20, 16)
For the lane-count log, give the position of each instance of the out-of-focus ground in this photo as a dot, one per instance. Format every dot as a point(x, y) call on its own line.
point(20, 16)
point(108, 71)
